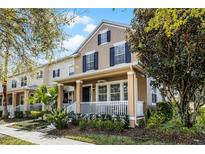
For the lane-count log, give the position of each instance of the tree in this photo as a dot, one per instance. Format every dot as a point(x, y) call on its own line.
point(170, 43)
point(25, 36)
point(47, 96)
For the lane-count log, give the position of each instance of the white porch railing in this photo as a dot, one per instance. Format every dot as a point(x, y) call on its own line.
point(139, 108)
point(108, 107)
point(71, 107)
point(20, 108)
point(37, 106)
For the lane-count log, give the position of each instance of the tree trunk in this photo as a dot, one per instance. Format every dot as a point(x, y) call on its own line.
point(4, 85)
point(185, 114)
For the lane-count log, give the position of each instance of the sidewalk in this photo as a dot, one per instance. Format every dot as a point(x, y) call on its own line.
point(38, 137)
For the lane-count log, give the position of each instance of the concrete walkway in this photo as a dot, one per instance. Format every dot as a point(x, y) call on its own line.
point(37, 137)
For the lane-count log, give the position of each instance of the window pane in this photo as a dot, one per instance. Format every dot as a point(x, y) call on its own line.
point(115, 92)
point(71, 70)
point(90, 62)
point(125, 91)
point(120, 54)
point(104, 37)
point(102, 93)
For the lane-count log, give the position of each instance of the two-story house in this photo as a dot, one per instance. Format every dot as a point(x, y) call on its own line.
point(102, 76)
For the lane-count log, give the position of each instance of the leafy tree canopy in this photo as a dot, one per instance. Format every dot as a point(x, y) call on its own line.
point(170, 43)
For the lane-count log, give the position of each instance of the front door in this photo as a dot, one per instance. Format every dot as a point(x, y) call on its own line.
point(87, 94)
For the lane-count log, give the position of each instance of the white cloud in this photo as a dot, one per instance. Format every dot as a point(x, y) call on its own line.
point(84, 20)
point(89, 28)
point(73, 42)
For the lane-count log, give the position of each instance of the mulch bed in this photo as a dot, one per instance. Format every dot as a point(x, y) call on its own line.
point(139, 134)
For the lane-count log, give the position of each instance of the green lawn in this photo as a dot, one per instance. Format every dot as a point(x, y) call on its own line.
point(8, 140)
point(102, 139)
point(30, 125)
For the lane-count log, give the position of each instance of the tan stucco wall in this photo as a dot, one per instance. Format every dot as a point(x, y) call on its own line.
point(117, 35)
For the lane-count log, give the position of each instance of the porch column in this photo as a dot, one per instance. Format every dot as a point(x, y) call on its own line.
point(14, 97)
point(26, 104)
point(132, 91)
point(78, 94)
point(60, 96)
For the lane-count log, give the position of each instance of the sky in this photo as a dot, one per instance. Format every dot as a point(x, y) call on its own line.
point(85, 22)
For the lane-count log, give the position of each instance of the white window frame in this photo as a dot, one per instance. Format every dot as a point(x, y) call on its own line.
point(154, 91)
point(71, 65)
point(121, 53)
point(103, 93)
point(121, 82)
point(103, 32)
point(90, 61)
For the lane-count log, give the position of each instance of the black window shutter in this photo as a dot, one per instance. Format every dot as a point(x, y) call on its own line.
point(53, 73)
point(127, 53)
point(112, 56)
point(84, 63)
point(96, 60)
point(99, 39)
point(58, 72)
point(108, 36)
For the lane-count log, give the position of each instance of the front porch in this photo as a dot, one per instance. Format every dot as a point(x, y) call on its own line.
point(119, 92)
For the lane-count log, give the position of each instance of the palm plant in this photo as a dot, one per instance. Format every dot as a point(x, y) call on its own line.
point(47, 96)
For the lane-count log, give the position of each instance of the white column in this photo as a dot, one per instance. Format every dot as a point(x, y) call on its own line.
point(60, 96)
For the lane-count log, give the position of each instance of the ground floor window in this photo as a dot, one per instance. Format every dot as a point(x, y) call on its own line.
point(102, 93)
point(125, 88)
point(154, 96)
point(112, 91)
point(115, 92)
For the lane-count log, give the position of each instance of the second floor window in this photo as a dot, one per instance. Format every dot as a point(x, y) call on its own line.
point(104, 37)
point(39, 75)
point(56, 73)
point(23, 81)
point(71, 69)
point(120, 54)
point(90, 62)
point(14, 84)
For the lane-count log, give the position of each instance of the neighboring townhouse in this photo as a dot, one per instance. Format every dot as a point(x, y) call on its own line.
point(101, 77)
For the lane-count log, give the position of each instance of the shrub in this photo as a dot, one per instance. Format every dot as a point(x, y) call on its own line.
point(83, 124)
point(155, 119)
point(37, 114)
point(59, 118)
point(1, 113)
point(99, 124)
point(18, 114)
point(27, 114)
point(118, 126)
point(141, 123)
point(165, 109)
point(108, 125)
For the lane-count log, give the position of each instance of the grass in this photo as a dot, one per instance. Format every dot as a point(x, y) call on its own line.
point(8, 140)
point(102, 139)
point(30, 125)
